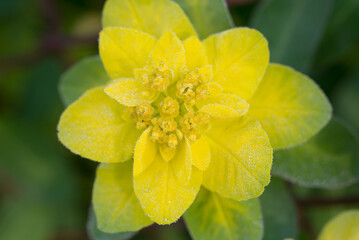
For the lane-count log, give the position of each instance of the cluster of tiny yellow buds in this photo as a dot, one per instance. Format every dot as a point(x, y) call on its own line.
point(165, 127)
point(169, 107)
point(189, 123)
point(155, 77)
point(142, 114)
point(167, 124)
point(192, 87)
point(164, 131)
point(144, 111)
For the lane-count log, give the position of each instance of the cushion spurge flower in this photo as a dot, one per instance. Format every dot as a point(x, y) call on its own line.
point(181, 113)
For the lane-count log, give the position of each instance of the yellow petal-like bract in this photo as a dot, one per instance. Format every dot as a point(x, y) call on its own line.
point(201, 154)
point(151, 16)
point(289, 106)
point(116, 206)
point(241, 159)
point(122, 50)
point(170, 50)
point(182, 162)
point(195, 54)
point(163, 196)
point(94, 128)
point(145, 152)
point(240, 57)
point(219, 111)
point(344, 227)
point(129, 92)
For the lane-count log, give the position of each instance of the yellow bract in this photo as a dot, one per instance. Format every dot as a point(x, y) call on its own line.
point(169, 50)
point(151, 16)
point(145, 152)
point(219, 111)
point(201, 154)
point(195, 54)
point(241, 158)
point(344, 227)
point(290, 106)
point(224, 106)
point(94, 128)
point(240, 57)
point(180, 108)
point(123, 50)
point(182, 161)
point(162, 194)
point(130, 92)
point(114, 201)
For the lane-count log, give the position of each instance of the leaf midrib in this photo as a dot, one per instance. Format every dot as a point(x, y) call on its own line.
point(222, 215)
point(233, 157)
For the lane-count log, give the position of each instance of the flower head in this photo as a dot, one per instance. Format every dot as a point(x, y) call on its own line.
point(185, 112)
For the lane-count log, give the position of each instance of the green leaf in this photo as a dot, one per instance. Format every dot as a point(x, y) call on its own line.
point(342, 33)
point(115, 203)
point(279, 213)
point(26, 218)
point(346, 100)
point(293, 29)
point(212, 216)
point(86, 74)
point(207, 16)
point(96, 234)
point(344, 226)
point(328, 160)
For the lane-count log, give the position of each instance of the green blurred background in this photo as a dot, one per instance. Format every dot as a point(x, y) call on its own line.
point(46, 191)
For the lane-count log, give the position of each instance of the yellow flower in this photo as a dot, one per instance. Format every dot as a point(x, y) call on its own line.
point(187, 112)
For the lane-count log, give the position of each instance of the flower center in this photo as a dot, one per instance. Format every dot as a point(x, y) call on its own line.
point(168, 126)
point(169, 121)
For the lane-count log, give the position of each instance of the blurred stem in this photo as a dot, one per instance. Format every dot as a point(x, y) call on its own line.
point(302, 219)
point(317, 202)
point(303, 204)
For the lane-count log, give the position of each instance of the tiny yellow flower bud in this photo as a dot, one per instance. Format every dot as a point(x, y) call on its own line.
point(144, 111)
point(155, 77)
point(172, 141)
point(169, 107)
point(142, 124)
point(167, 124)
